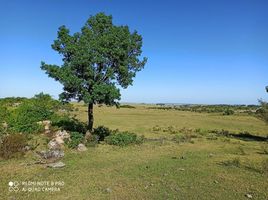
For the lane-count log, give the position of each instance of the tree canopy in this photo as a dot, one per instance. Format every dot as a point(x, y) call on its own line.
point(96, 61)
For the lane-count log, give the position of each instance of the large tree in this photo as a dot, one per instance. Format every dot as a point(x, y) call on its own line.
point(96, 61)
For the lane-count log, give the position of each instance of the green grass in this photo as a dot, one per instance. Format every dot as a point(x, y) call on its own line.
point(219, 168)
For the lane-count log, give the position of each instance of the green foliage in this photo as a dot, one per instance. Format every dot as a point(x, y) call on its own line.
point(262, 113)
point(123, 139)
point(12, 101)
point(25, 116)
point(75, 139)
point(4, 113)
point(69, 124)
point(102, 132)
point(95, 61)
point(94, 58)
point(228, 112)
point(13, 146)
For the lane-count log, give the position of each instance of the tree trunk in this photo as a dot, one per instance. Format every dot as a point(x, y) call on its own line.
point(90, 117)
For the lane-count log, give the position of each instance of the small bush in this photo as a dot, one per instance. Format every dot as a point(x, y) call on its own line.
point(228, 112)
point(102, 132)
point(13, 146)
point(123, 139)
point(75, 139)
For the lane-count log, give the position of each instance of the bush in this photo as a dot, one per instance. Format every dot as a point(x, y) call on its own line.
point(75, 139)
point(102, 132)
point(13, 146)
point(262, 113)
point(25, 117)
point(69, 124)
point(123, 139)
point(228, 112)
point(3, 114)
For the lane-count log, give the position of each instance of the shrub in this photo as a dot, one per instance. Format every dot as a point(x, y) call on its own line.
point(3, 114)
point(75, 139)
point(123, 139)
point(69, 124)
point(102, 132)
point(25, 117)
point(13, 146)
point(262, 113)
point(228, 112)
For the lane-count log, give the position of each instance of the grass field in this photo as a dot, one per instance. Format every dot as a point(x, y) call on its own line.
point(207, 167)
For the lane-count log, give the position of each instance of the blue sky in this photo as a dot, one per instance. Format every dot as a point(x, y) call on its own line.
point(199, 51)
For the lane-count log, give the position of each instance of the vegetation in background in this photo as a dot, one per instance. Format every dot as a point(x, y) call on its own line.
point(224, 109)
point(126, 106)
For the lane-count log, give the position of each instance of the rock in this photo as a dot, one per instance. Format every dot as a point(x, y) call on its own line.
point(51, 154)
point(249, 196)
point(54, 144)
point(62, 134)
point(59, 140)
point(26, 148)
point(46, 124)
point(88, 135)
point(81, 147)
point(56, 165)
point(211, 155)
point(181, 169)
point(108, 190)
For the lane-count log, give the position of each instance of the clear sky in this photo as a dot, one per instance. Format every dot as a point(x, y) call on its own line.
point(199, 51)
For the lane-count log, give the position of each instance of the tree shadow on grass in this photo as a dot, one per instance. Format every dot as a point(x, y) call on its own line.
point(249, 137)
